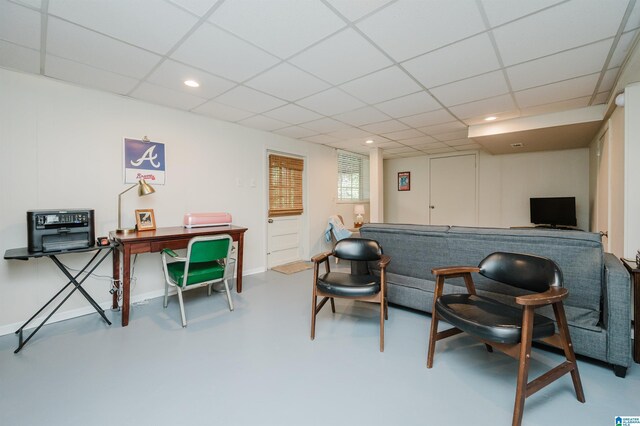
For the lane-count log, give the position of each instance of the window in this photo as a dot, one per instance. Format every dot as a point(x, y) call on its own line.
point(353, 177)
point(285, 185)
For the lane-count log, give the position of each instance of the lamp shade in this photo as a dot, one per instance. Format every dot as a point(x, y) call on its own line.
point(358, 209)
point(144, 188)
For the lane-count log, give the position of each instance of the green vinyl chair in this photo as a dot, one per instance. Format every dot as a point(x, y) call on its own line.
point(207, 262)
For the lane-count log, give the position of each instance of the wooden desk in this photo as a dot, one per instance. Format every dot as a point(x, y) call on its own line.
point(634, 270)
point(176, 237)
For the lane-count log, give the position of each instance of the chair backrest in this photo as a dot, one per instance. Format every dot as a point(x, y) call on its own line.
point(207, 249)
point(357, 249)
point(525, 271)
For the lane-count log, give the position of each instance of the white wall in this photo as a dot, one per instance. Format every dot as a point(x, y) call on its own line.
point(506, 182)
point(61, 147)
point(631, 169)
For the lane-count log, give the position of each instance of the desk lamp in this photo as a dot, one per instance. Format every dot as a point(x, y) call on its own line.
point(143, 189)
point(359, 211)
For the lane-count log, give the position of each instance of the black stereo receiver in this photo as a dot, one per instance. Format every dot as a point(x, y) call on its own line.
point(56, 230)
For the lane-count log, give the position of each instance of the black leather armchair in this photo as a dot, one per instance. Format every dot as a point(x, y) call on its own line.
point(507, 328)
point(358, 285)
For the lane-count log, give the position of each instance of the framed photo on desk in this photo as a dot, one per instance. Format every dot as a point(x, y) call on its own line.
point(145, 220)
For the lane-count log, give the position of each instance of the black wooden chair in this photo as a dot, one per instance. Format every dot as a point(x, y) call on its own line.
point(507, 328)
point(358, 285)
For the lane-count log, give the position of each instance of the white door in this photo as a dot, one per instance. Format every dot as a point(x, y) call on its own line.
point(602, 190)
point(452, 190)
point(283, 240)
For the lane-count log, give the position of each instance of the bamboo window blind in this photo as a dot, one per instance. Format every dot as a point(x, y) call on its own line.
point(285, 185)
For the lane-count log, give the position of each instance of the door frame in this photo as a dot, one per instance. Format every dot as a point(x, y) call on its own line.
point(303, 248)
point(458, 154)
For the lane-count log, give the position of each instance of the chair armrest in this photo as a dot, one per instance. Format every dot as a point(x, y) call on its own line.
point(384, 261)
point(318, 258)
point(173, 254)
point(454, 270)
point(553, 295)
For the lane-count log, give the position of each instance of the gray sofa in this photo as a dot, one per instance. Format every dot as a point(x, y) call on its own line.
point(598, 306)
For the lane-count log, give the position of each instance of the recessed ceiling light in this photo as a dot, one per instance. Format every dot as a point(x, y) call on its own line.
point(369, 141)
point(517, 145)
point(192, 83)
point(490, 118)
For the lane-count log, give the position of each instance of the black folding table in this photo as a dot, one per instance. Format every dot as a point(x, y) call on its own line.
point(24, 254)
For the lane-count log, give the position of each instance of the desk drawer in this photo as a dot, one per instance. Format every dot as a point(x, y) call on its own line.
point(173, 244)
point(140, 248)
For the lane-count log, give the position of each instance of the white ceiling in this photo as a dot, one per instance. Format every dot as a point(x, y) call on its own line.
point(411, 75)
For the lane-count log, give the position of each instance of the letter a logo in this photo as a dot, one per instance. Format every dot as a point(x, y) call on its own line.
point(147, 156)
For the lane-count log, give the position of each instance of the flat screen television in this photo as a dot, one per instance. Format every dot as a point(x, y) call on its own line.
point(553, 211)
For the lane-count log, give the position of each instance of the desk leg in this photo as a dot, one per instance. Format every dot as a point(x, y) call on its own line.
point(239, 262)
point(116, 276)
point(636, 317)
point(126, 278)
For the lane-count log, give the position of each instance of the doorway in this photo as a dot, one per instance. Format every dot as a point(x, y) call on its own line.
point(453, 190)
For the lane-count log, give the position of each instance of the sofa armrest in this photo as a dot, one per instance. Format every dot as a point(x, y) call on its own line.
point(616, 310)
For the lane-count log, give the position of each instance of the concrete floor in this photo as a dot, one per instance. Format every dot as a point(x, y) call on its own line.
point(257, 366)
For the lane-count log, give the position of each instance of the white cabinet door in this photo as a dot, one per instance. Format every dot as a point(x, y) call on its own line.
point(452, 193)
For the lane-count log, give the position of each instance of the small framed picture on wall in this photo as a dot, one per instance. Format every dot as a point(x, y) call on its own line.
point(404, 181)
point(145, 220)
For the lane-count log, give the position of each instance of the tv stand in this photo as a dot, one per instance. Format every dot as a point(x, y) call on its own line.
point(564, 228)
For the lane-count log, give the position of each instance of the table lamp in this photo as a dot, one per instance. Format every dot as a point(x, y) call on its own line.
point(143, 189)
point(358, 210)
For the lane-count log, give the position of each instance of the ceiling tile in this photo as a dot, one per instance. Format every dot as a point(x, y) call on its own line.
point(332, 101)
point(400, 150)
point(198, 7)
point(622, 48)
point(382, 85)
point(19, 25)
point(427, 146)
point(409, 28)
point(421, 140)
point(87, 47)
point(502, 11)
point(403, 134)
point(341, 58)
point(468, 147)
point(172, 75)
point(561, 66)
point(608, 80)
point(19, 58)
point(471, 89)
point(222, 54)
point(249, 100)
point(85, 75)
point(409, 105)
point(439, 150)
point(428, 119)
point(491, 106)
point(325, 125)
point(140, 23)
point(385, 126)
point(443, 65)
point(35, 4)
point(568, 89)
point(389, 145)
point(263, 123)
point(282, 27)
point(293, 114)
point(458, 142)
point(566, 26)
point(601, 98)
point(458, 134)
point(222, 112)
point(160, 95)
point(323, 139)
point(354, 10)
point(351, 133)
point(634, 18)
point(295, 132)
point(278, 82)
point(442, 128)
point(362, 116)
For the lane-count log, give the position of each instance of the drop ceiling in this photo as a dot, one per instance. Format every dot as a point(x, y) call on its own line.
point(410, 75)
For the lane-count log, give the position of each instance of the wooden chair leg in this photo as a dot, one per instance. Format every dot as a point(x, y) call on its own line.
point(523, 369)
point(432, 338)
point(567, 346)
point(386, 309)
point(333, 306)
point(382, 311)
point(314, 301)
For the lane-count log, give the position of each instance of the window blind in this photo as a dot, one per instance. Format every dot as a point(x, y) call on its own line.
point(285, 185)
point(353, 176)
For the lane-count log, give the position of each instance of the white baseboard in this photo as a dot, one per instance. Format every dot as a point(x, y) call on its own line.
point(74, 313)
